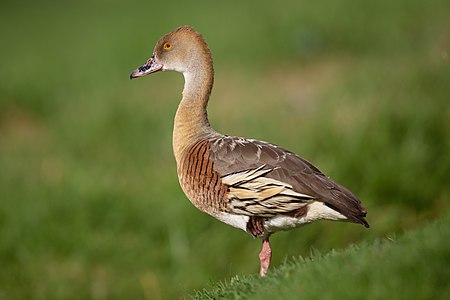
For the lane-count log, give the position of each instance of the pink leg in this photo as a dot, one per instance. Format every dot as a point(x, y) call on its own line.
point(264, 257)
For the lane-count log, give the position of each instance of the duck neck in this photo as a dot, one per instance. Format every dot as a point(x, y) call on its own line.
point(191, 119)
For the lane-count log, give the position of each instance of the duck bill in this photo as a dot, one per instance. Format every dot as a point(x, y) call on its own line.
point(151, 66)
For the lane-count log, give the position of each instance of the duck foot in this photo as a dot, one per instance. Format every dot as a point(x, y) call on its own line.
point(264, 257)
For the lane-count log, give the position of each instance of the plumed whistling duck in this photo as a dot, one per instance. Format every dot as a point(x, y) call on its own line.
point(252, 185)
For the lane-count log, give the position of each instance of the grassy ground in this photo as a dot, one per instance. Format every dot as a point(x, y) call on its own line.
point(90, 206)
point(415, 265)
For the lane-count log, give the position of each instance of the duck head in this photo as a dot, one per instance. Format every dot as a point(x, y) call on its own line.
point(180, 50)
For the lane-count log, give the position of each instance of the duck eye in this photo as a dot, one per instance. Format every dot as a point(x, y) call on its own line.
point(167, 46)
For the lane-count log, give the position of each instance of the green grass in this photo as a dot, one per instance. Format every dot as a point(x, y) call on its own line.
point(415, 265)
point(90, 206)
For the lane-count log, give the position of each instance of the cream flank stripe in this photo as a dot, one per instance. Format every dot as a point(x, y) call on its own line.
point(253, 194)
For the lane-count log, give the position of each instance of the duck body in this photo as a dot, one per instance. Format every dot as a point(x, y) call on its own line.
point(251, 185)
point(259, 187)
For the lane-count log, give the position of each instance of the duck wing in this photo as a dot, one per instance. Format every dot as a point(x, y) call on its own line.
point(265, 180)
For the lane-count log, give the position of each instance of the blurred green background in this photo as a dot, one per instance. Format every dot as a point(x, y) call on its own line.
point(90, 206)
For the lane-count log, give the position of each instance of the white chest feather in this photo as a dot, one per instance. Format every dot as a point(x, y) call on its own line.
point(237, 221)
